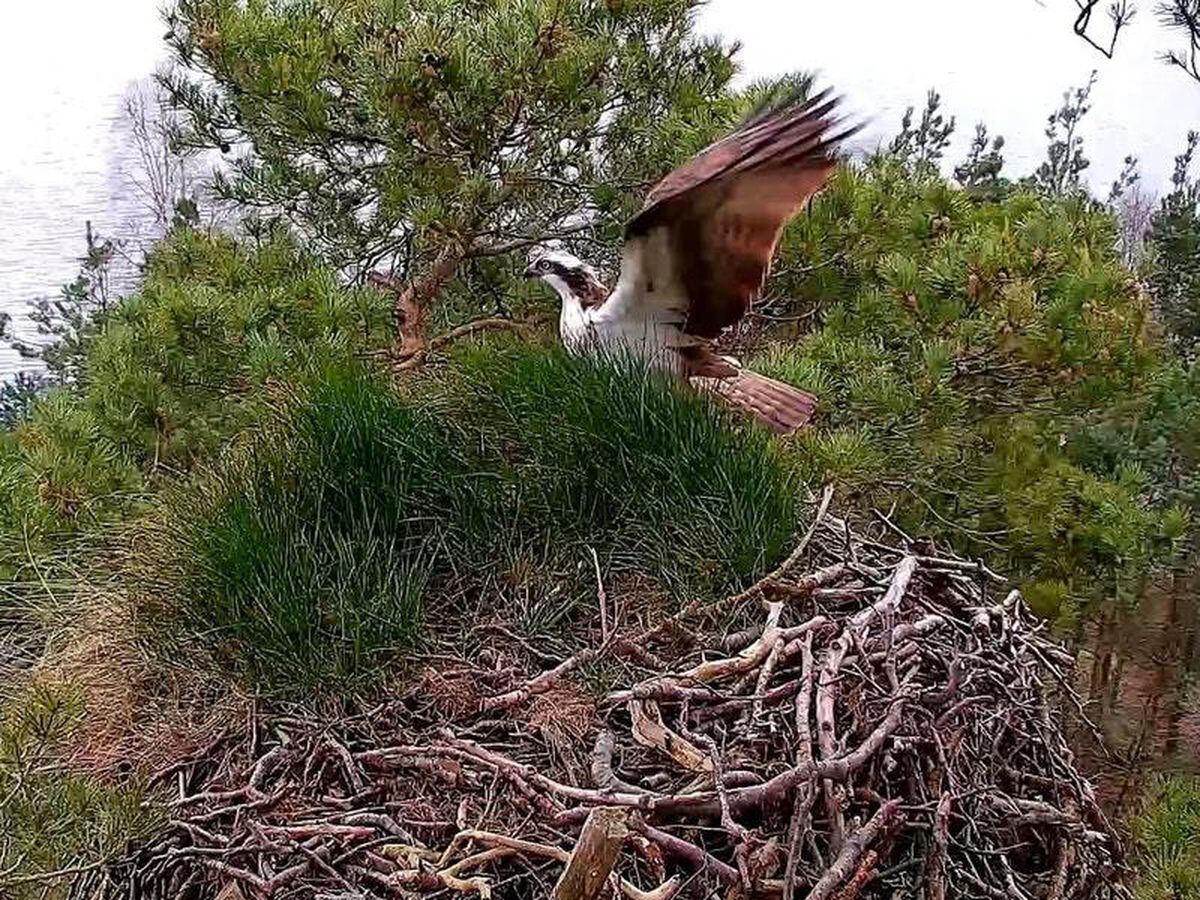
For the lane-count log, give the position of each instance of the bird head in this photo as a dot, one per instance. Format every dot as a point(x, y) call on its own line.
point(569, 275)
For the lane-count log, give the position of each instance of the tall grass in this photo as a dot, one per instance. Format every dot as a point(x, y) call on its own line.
point(308, 556)
point(305, 554)
point(611, 454)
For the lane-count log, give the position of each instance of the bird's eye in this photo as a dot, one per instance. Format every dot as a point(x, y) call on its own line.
point(544, 266)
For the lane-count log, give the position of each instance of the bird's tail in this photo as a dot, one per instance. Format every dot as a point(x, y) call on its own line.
point(782, 408)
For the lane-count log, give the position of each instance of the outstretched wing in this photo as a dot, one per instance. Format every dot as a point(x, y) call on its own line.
point(708, 231)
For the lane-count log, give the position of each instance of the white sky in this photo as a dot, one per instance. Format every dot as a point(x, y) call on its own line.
point(77, 50)
point(1005, 62)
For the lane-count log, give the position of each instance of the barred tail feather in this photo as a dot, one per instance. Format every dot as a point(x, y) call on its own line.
point(782, 408)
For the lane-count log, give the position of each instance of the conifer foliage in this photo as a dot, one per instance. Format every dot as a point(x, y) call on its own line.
point(1065, 159)
point(924, 145)
point(979, 173)
point(963, 348)
point(1175, 238)
point(390, 133)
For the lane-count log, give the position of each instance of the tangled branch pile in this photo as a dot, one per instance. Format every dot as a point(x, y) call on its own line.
point(867, 721)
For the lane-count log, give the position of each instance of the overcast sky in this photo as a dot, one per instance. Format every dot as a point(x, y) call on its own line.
point(1005, 62)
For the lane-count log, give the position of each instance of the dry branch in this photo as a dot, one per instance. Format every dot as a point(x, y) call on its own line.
point(852, 853)
point(922, 756)
point(594, 855)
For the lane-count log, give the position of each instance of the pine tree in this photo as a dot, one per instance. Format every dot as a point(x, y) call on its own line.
point(979, 173)
point(65, 323)
point(1127, 180)
point(968, 353)
point(1065, 161)
point(1174, 239)
point(17, 395)
point(409, 133)
point(922, 147)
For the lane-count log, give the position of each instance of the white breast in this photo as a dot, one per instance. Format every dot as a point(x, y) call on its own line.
point(643, 317)
point(645, 313)
point(575, 327)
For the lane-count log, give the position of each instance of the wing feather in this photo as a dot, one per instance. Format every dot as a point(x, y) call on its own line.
point(722, 213)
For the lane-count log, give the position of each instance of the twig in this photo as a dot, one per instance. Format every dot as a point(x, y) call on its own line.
point(804, 797)
point(539, 684)
point(935, 857)
point(601, 597)
point(696, 857)
point(852, 853)
point(793, 558)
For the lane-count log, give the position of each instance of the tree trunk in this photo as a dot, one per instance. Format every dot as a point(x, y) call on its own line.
point(411, 304)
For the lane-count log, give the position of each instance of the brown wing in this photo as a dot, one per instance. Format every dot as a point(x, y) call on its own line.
point(595, 292)
point(726, 208)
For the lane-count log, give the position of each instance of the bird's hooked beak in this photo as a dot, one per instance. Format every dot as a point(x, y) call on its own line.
point(530, 271)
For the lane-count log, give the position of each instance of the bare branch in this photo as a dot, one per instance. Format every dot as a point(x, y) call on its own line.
point(1120, 14)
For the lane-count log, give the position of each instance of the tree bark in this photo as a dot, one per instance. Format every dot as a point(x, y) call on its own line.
point(594, 855)
point(411, 303)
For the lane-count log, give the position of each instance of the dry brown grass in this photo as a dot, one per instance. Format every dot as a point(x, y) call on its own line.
point(140, 711)
point(565, 710)
point(453, 692)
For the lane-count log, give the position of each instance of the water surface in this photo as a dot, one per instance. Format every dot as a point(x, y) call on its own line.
point(66, 157)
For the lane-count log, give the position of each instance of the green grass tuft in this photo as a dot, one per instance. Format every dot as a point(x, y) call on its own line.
point(304, 556)
point(307, 556)
point(618, 457)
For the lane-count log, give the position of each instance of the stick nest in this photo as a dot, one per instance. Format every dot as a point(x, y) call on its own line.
point(872, 719)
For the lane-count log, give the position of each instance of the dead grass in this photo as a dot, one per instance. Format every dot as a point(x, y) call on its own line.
point(454, 693)
point(566, 710)
point(139, 712)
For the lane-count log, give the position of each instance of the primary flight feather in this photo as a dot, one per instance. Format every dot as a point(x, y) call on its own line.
point(696, 256)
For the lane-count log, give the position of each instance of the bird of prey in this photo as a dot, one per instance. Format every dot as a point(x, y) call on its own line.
point(697, 254)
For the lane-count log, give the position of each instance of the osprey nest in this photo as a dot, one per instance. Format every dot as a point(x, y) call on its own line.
point(873, 719)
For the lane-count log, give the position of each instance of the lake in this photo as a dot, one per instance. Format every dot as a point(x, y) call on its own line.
point(67, 155)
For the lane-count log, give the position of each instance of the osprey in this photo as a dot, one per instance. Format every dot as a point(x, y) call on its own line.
point(697, 254)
